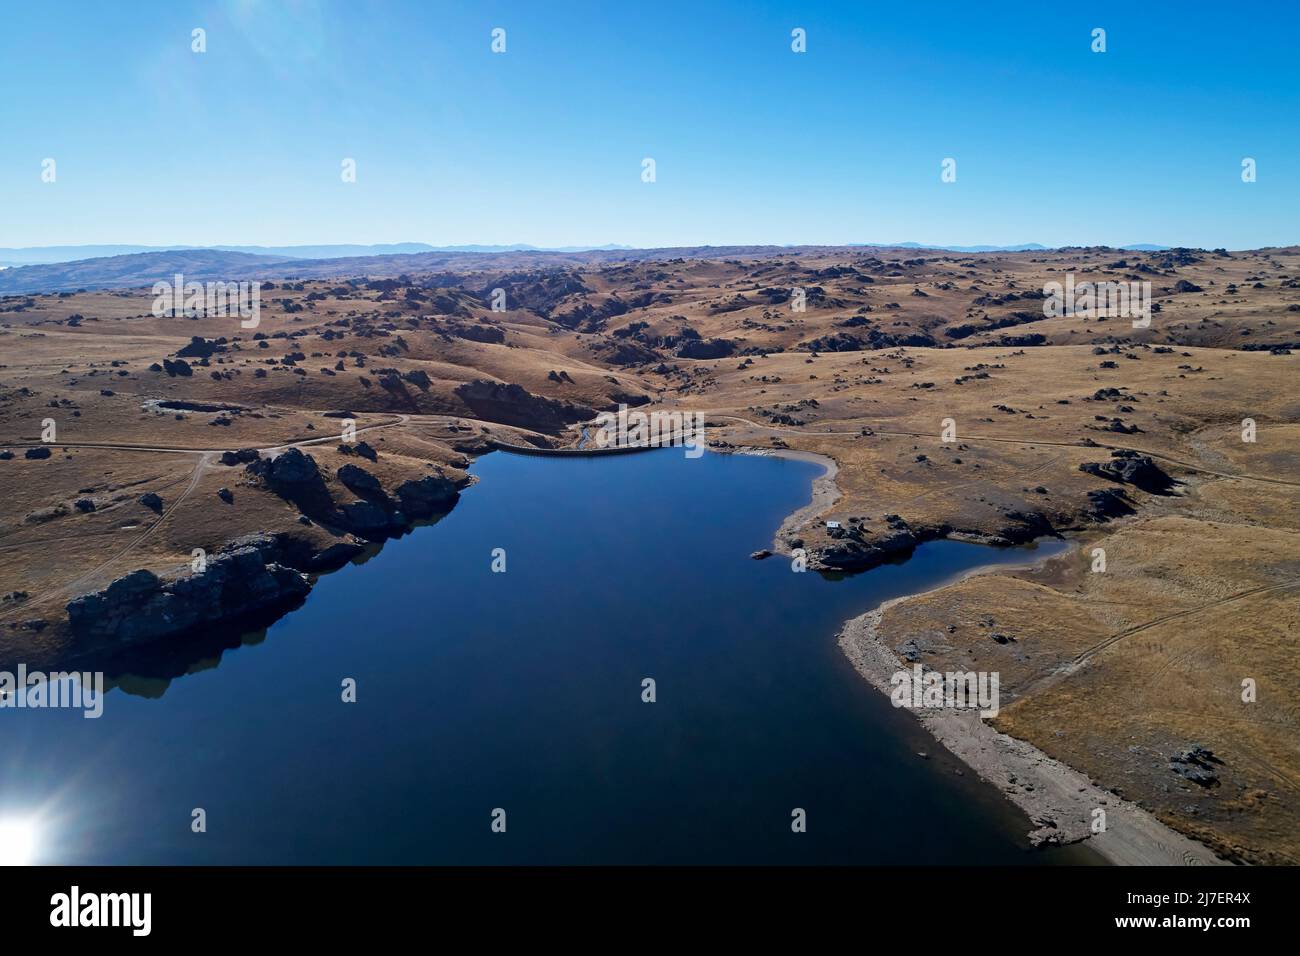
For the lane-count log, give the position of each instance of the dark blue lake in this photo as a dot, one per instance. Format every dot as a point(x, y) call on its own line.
point(522, 691)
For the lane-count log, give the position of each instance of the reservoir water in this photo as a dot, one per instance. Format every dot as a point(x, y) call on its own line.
point(522, 691)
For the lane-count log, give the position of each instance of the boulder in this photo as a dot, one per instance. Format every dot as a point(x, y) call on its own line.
point(419, 378)
point(1196, 764)
point(1107, 503)
point(427, 496)
point(295, 477)
point(199, 347)
point(363, 484)
point(1130, 468)
point(241, 457)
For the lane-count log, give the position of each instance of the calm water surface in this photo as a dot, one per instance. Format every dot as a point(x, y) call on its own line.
point(522, 691)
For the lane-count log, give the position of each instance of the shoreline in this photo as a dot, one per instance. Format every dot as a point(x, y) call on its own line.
point(825, 492)
point(1058, 799)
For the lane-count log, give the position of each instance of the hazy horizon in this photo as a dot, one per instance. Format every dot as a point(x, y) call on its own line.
point(400, 246)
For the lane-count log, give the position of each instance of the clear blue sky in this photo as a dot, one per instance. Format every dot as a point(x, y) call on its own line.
point(753, 143)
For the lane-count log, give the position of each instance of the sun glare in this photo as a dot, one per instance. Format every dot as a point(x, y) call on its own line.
point(18, 838)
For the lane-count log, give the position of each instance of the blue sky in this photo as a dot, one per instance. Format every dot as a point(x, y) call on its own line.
point(752, 142)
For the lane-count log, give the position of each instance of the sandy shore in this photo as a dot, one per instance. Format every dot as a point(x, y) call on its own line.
point(1058, 799)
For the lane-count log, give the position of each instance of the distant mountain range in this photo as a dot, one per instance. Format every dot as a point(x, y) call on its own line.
point(1027, 247)
point(229, 264)
point(43, 255)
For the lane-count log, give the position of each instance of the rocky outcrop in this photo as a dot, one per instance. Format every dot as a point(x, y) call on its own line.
point(370, 520)
point(241, 457)
point(490, 334)
point(363, 484)
point(1027, 526)
point(419, 378)
point(515, 405)
point(1107, 503)
point(1197, 764)
point(855, 548)
point(706, 349)
point(540, 290)
point(968, 329)
point(200, 347)
point(873, 339)
point(295, 477)
point(237, 582)
point(257, 577)
point(250, 581)
point(427, 496)
point(625, 353)
point(1020, 341)
point(1130, 468)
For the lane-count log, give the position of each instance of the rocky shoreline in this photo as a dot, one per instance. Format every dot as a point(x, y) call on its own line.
point(854, 547)
point(258, 575)
point(853, 544)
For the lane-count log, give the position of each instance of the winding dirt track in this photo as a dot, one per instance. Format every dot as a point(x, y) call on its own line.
point(1079, 660)
point(169, 449)
point(1016, 441)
